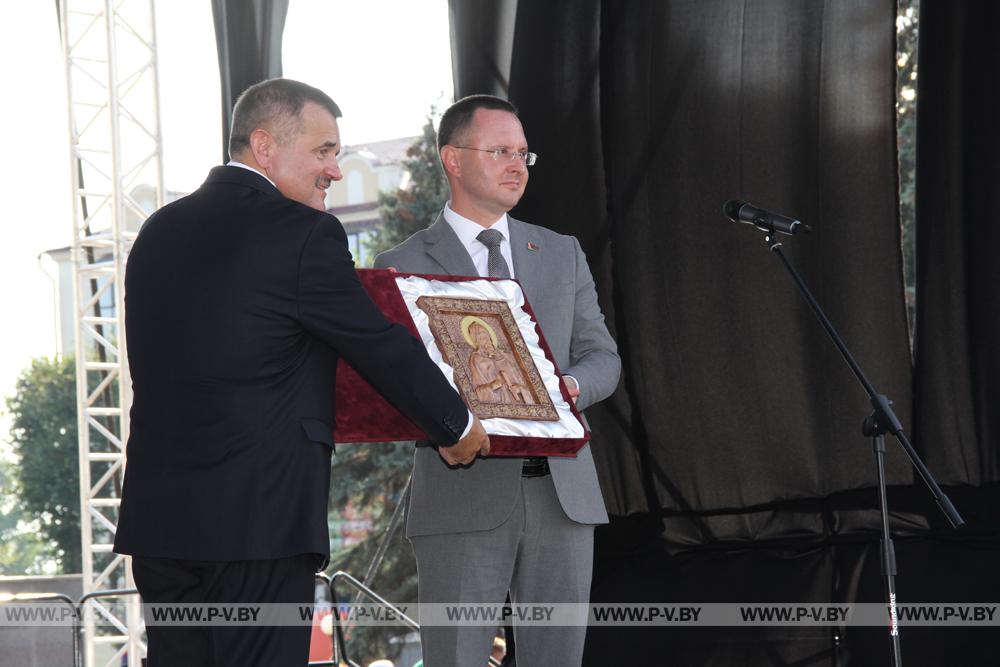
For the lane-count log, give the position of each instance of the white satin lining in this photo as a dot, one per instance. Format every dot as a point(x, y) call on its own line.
point(413, 287)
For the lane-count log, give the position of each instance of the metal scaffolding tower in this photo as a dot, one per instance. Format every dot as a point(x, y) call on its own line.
point(114, 124)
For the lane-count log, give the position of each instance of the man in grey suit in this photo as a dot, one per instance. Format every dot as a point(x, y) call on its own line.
point(523, 526)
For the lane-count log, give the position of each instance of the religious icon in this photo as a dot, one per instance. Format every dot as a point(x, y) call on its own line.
point(493, 367)
point(495, 377)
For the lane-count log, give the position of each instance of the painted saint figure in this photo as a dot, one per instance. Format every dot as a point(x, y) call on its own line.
point(496, 378)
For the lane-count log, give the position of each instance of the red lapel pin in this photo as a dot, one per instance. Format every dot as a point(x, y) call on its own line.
point(532, 247)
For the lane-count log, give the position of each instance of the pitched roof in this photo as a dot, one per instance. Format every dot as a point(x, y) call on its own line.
point(387, 151)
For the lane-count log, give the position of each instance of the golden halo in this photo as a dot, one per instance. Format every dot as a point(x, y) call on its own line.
point(468, 321)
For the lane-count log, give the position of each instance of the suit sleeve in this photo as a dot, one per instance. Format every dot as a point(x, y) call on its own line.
point(594, 360)
point(382, 260)
point(334, 307)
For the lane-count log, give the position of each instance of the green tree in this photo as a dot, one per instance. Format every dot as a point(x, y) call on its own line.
point(371, 478)
point(43, 438)
point(907, 29)
point(21, 550)
point(407, 211)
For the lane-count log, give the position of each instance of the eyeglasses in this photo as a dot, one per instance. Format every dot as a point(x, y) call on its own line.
point(507, 154)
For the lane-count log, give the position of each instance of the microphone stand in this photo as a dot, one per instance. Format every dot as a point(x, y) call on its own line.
point(882, 420)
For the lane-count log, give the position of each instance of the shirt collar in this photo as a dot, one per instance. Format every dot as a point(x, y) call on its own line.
point(234, 163)
point(467, 230)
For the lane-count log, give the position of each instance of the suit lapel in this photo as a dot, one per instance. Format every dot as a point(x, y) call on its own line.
point(444, 248)
point(527, 262)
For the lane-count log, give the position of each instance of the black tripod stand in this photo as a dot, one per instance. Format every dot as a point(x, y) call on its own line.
point(882, 420)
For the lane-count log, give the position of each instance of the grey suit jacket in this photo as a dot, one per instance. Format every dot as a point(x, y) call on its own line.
point(560, 289)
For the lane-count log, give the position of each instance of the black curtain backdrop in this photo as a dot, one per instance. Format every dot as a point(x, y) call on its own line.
point(788, 105)
point(731, 456)
point(648, 116)
point(958, 272)
point(248, 39)
point(481, 34)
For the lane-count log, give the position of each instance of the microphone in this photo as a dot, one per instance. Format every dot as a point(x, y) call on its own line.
point(741, 211)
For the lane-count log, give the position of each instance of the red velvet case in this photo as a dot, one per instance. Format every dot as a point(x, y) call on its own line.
point(363, 415)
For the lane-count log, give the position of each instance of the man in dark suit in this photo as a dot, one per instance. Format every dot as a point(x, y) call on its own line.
point(506, 524)
point(239, 300)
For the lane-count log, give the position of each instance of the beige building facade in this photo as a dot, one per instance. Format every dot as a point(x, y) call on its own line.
point(368, 170)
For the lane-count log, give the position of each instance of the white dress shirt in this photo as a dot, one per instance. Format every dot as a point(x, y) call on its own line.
point(467, 231)
point(234, 163)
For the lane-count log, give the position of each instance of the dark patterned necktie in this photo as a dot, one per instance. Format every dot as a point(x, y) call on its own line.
point(496, 265)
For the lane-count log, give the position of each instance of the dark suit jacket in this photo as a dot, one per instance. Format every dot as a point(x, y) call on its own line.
point(238, 303)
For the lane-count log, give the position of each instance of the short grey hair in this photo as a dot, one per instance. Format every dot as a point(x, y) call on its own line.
point(275, 104)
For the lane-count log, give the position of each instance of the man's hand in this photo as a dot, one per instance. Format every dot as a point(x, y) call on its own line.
point(574, 390)
point(465, 450)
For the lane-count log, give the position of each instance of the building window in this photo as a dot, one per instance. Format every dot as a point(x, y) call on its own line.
point(355, 188)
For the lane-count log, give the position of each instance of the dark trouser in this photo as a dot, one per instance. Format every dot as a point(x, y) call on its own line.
point(171, 581)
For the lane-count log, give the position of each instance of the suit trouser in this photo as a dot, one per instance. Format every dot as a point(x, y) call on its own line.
point(170, 581)
point(538, 554)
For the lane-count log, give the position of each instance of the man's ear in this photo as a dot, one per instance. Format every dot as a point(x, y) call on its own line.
point(262, 144)
point(449, 160)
